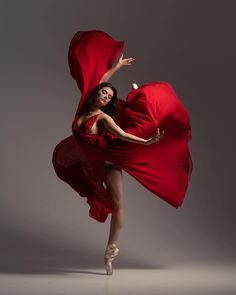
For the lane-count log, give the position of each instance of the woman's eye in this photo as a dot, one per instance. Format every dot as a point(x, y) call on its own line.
point(105, 92)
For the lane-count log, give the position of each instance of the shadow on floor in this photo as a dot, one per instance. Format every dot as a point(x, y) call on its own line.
point(65, 264)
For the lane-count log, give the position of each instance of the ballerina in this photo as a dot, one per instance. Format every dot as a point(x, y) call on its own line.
point(111, 135)
point(104, 98)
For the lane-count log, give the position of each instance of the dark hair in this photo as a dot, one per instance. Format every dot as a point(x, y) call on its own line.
point(110, 108)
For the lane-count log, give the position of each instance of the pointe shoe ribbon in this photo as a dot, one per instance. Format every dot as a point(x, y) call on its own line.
point(111, 252)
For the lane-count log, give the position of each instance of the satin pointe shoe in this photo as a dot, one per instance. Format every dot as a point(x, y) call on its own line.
point(134, 86)
point(110, 253)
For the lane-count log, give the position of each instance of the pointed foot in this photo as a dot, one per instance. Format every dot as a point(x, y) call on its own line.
point(134, 86)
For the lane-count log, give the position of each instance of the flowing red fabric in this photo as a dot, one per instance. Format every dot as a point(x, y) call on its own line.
point(164, 167)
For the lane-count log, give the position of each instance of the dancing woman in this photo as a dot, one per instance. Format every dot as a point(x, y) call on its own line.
point(111, 135)
point(102, 102)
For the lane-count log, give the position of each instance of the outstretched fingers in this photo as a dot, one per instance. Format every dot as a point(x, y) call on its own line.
point(125, 61)
point(159, 135)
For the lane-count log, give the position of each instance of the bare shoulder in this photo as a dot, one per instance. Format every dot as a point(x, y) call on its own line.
point(111, 125)
point(108, 122)
point(104, 117)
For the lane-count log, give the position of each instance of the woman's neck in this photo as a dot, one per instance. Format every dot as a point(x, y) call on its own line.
point(94, 109)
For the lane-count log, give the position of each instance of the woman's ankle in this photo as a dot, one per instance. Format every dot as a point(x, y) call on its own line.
point(111, 244)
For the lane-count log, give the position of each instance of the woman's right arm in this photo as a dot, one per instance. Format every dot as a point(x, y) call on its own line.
point(116, 130)
point(122, 62)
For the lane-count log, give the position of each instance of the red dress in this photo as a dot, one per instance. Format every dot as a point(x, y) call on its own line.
point(164, 167)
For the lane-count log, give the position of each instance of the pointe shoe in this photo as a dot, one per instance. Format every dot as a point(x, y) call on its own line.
point(134, 86)
point(110, 253)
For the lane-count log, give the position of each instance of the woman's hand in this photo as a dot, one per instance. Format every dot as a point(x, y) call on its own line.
point(156, 137)
point(124, 61)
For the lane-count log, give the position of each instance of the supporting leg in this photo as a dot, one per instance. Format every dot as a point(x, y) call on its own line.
point(114, 184)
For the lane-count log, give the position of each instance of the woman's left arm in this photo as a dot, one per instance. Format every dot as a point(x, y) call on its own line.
point(116, 130)
point(122, 62)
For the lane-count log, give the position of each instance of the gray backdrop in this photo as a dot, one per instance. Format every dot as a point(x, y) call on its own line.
point(190, 44)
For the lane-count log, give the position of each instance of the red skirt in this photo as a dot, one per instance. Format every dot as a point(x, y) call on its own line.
point(164, 167)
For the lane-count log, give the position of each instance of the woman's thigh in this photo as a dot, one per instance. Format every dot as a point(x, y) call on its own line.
point(114, 181)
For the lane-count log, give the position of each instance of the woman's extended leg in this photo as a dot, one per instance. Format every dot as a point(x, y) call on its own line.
point(114, 183)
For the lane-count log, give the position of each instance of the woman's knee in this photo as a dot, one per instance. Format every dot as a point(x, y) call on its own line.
point(118, 201)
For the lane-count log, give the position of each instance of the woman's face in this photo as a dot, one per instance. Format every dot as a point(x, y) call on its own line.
point(104, 96)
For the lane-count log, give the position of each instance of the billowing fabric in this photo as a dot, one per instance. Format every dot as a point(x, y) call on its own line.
point(164, 167)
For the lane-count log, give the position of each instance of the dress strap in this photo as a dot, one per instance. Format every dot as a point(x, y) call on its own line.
point(93, 116)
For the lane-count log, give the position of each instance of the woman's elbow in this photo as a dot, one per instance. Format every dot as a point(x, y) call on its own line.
point(123, 135)
point(120, 134)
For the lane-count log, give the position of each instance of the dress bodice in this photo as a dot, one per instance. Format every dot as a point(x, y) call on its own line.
point(84, 130)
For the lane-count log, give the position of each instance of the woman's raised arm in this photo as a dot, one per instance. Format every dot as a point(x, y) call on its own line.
point(122, 62)
point(115, 129)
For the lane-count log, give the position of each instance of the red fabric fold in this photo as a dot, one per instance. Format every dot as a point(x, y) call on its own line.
point(164, 168)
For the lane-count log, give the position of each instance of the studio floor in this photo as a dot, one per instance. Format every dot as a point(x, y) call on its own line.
point(191, 280)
